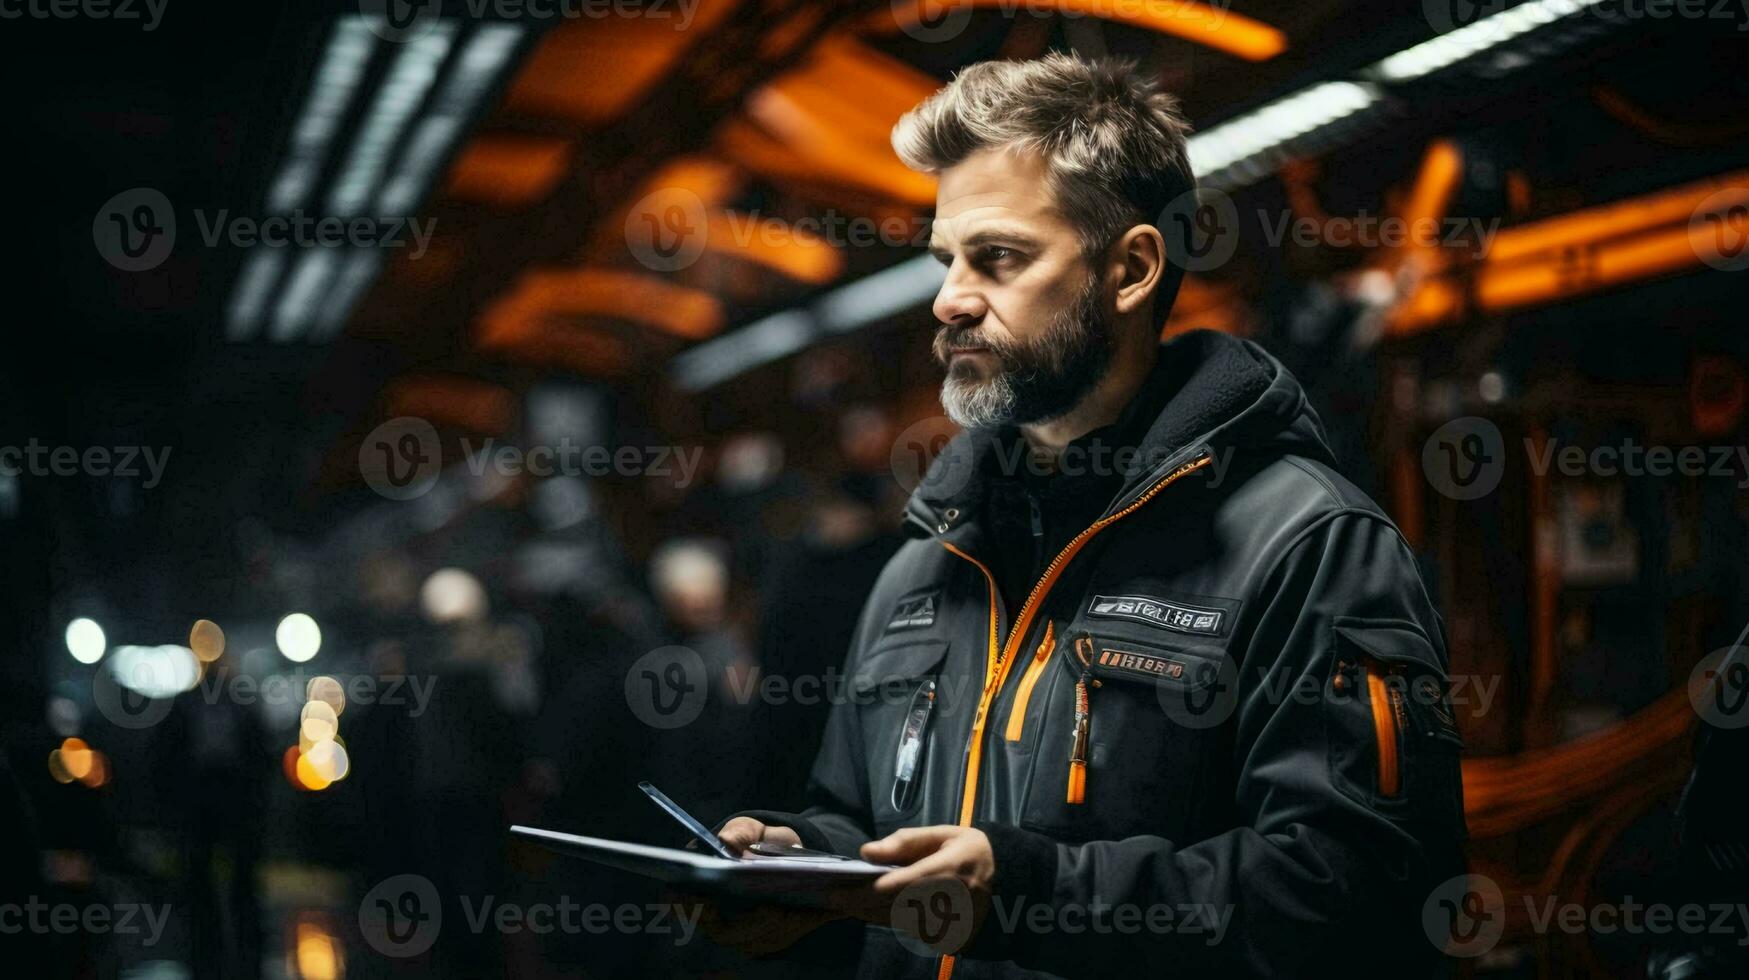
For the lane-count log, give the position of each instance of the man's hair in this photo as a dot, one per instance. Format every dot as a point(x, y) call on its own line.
point(1113, 143)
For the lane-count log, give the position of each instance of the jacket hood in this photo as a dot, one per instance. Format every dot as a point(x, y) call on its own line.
point(1208, 390)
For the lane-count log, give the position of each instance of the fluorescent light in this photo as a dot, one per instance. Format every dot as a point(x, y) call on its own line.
point(359, 271)
point(308, 281)
point(481, 60)
point(410, 79)
point(331, 91)
point(1266, 130)
point(718, 360)
point(889, 291)
point(1450, 48)
point(260, 271)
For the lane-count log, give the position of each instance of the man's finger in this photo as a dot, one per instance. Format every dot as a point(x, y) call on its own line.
point(941, 864)
point(907, 845)
point(740, 833)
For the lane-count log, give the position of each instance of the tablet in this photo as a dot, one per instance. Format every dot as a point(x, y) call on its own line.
point(796, 879)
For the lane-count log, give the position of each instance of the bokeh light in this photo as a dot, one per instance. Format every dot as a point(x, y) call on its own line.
point(207, 640)
point(298, 637)
point(452, 595)
point(328, 691)
point(85, 640)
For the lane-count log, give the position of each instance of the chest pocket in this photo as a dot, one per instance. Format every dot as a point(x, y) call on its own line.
point(1129, 724)
point(898, 704)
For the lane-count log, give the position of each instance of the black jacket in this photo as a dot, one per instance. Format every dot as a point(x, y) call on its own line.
point(1213, 740)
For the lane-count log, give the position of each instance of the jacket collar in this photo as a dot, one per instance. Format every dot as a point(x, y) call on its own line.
point(1208, 392)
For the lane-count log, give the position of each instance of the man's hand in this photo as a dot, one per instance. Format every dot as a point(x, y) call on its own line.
point(743, 832)
point(936, 853)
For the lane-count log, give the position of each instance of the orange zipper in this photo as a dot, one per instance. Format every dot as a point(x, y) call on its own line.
point(1385, 725)
point(1017, 715)
point(998, 659)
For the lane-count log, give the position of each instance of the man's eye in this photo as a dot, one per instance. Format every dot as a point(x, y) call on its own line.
point(998, 253)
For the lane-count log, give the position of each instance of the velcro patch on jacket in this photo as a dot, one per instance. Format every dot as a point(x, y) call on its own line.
point(913, 612)
point(1148, 665)
point(1158, 612)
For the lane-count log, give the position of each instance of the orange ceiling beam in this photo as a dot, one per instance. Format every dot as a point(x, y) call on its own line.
point(508, 170)
point(591, 70)
point(545, 295)
point(1202, 23)
point(1574, 254)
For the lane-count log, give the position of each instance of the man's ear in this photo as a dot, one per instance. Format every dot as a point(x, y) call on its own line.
point(1138, 260)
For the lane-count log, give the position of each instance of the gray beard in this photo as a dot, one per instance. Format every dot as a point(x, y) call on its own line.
point(1061, 367)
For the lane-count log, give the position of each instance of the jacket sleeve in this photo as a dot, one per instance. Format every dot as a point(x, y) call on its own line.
point(1328, 857)
point(839, 815)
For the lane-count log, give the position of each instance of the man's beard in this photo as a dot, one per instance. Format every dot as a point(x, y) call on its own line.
point(1039, 379)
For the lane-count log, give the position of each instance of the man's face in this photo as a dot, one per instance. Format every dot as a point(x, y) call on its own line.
point(1025, 334)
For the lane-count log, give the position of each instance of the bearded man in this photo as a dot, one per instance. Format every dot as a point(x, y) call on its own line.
point(1151, 685)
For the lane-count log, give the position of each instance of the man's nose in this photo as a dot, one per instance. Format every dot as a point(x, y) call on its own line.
point(957, 304)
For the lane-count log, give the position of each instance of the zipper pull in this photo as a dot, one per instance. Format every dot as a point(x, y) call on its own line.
point(1038, 521)
point(1083, 721)
point(1078, 749)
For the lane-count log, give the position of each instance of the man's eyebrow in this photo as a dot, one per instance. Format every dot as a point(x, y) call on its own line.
point(988, 236)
